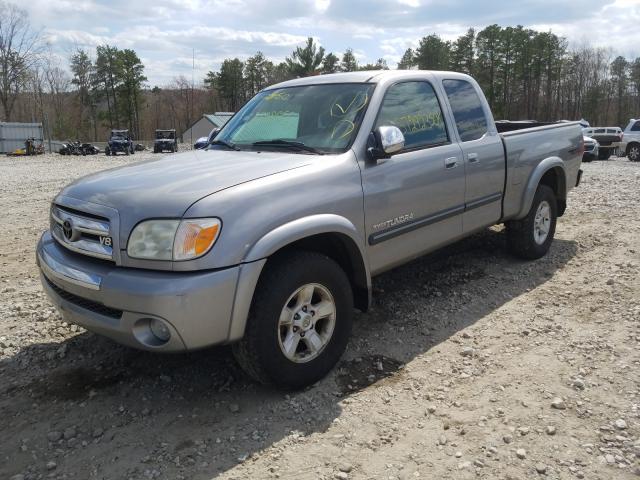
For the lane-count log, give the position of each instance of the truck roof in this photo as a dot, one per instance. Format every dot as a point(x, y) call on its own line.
point(364, 76)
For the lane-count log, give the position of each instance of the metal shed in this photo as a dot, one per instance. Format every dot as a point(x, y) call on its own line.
point(14, 134)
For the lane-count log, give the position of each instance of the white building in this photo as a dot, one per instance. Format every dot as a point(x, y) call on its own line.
point(203, 127)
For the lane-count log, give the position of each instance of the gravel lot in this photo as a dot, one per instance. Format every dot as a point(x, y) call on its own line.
point(472, 364)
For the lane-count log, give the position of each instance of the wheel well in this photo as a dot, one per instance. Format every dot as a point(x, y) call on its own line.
point(344, 251)
point(554, 178)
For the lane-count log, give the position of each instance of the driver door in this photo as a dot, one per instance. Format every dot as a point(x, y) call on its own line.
point(414, 200)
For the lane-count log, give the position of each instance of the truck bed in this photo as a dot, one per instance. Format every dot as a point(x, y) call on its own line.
point(526, 146)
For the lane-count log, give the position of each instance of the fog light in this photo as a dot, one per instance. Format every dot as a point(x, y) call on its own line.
point(160, 330)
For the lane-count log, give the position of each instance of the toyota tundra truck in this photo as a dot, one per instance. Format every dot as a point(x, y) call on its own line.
point(268, 239)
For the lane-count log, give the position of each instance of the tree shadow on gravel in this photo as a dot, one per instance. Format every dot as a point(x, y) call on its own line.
point(142, 415)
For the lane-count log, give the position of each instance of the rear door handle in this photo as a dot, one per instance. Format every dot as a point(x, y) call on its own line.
point(451, 162)
point(473, 158)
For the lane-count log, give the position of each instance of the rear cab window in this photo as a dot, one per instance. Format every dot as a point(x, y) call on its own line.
point(468, 113)
point(414, 108)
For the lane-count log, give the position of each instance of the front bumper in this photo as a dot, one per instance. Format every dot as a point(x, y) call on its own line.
point(197, 307)
point(119, 147)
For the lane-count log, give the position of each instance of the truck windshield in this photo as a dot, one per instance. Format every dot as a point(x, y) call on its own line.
point(320, 118)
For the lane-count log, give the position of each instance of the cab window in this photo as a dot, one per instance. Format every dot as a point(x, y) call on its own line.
point(467, 109)
point(413, 107)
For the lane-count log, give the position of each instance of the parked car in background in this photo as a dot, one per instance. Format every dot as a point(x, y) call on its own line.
point(631, 140)
point(204, 142)
point(270, 237)
point(165, 141)
point(591, 148)
point(609, 139)
point(201, 143)
point(119, 141)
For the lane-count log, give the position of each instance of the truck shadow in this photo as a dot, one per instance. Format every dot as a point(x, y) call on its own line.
point(196, 415)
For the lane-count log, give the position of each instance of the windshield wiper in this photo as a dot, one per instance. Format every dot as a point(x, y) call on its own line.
point(279, 142)
point(224, 144)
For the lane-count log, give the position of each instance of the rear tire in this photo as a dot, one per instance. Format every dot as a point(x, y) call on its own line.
point(633, 152)
point(531, 237)
point(299, 322)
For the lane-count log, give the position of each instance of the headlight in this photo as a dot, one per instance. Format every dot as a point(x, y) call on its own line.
point(153, 239)
point(173, 239)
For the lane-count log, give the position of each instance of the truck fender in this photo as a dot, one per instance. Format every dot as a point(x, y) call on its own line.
point(534, 180)
point(278, 238)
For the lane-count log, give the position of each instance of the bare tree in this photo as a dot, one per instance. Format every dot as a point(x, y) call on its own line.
point(58, 85)
point(19, 53)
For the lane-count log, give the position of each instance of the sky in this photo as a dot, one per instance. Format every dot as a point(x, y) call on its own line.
point(166, 33)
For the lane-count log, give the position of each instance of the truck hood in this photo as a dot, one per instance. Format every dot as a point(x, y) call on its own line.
point(168, 186)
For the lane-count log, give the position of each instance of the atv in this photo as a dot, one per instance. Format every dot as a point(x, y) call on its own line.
point(89, 149)
point(119, 141)
point(165, 141)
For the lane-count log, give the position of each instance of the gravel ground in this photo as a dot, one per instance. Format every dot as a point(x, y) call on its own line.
point(471, 365)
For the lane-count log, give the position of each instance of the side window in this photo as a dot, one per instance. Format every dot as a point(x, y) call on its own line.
point(413, 107)
point(636, 127)
point(467, 109)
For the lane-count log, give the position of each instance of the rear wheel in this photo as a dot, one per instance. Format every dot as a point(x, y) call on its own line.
point(299, 323)
point(531, 237)
point(633, 152)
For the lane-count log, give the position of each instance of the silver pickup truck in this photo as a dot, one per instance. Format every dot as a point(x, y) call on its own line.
point(269, 238)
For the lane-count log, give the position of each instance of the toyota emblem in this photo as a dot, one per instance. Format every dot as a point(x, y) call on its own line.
point(67, 229)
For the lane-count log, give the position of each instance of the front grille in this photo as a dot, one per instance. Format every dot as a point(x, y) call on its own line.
point(85, 303)
point(82, 232)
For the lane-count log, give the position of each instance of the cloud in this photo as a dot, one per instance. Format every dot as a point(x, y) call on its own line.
point(166, 32)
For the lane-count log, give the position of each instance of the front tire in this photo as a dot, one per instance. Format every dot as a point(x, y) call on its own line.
point(531, 237)
point(299, 322)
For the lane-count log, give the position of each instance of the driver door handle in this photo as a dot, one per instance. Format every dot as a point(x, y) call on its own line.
point(451, 162)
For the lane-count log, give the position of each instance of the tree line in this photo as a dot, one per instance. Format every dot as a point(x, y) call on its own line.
point(237, 81)
point(525, 74)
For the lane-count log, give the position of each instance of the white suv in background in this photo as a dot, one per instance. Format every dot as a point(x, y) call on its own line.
point(631, 140)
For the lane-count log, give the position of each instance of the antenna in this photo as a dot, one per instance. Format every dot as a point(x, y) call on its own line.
point(193, 69)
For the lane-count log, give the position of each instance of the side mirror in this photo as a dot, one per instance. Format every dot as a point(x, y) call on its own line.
point(387, 140)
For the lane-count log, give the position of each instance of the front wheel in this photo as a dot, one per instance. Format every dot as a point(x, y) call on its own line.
point(299, 322)
point(531, 237)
